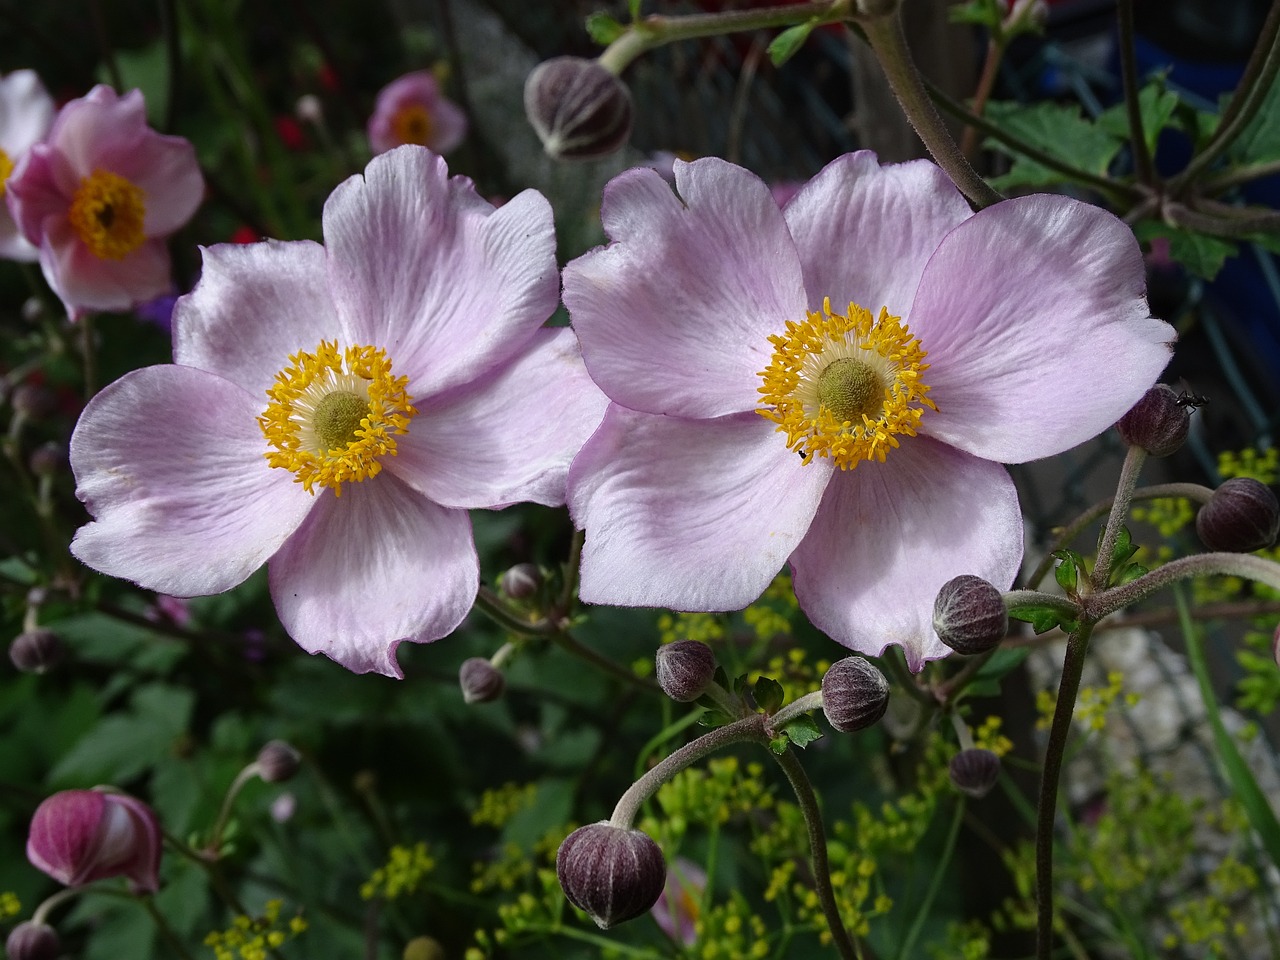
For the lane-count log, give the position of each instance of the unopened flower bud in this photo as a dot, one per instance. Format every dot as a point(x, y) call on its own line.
point(854, 694)
point(480, 680)
point(1241, 516)
point(33, 400)
point(78, 836)
point(1158, 423)
point(35, 651)
point(685, 669)
point(48, 459)
point(520, 582)
point(423, 948)
point(613, 873)
point(32, 941)
point(579, 109)
point(974, 771)
point(278, 761)
point(969, 615)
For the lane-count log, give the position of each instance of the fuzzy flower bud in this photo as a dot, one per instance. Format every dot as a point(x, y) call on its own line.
point(579, 109)
point(974, 771)
point(278, 761)
point(32, 941)
point(480, 680)
point(520, 582)
point(33, 400)
point(1157, 423)
point(35, 651)
point(613, 873)
point(1241, 516)
point(78, 836)
point(969, 615)
point(685, 669)
point(854, 694)
point(48, 459)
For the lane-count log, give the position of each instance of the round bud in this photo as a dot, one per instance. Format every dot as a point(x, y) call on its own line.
point(579, 109)
point(969, 615)
point(423, 948)
point(1157, 423)
point(685, 669)
point(35, 651)
point(32, 941)
point(278, 761)
point(309, 109)
point(613, 873)
point(1241, 516)
point(974, 771)
point(48, 459)
point(480, 680)
point(854, 694)
point(520, 582)
point(33, 400)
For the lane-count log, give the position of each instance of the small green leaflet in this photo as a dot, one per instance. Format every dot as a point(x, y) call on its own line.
point(1200, 253)
point(789, 41)
point(604, 29)
point(1156, 106)
point(1043, 617)
point(1067, 572)
point(802, 731)
point(768, 694)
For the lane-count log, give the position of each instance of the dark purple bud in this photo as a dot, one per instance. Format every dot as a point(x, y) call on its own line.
point(35, 651)
point(969, 615)
point(521, 581)
point(278, 761)
point(685, 669)
point(974, 771)
point(579, 109)
point(1158, 423)
point(613, 873)
point(32, 941)
point(1241, 516)
point(854, 694)
point(78, 836)
point(480, 680)
point(48, 459)
point(33, 400)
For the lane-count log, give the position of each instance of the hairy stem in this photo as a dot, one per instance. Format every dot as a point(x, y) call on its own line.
point(1133, 461)
point(1143, 166)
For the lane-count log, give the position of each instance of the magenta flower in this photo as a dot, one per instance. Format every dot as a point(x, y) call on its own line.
point(26, 113)
point(770, 404)
point(337, 409)
point(99, 196)
point(411, 109)
point(678, 908)
point(78, 836)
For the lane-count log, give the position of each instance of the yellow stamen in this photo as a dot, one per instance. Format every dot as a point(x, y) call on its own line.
point(333, 415)
point(6, 168)
point(107, 213)
point(412, 124)
point(845, 386)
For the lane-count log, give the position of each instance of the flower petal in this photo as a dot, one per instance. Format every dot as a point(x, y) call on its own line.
point(1034, 316)
point(85, 282)
point(507, 438)
point(865, 232)
point(26, 112)
point(169, 462)
point(254, 305)
point(372, 568)
point(674, 315)
point(889, 535)
point(425, 269)
point(688, 514)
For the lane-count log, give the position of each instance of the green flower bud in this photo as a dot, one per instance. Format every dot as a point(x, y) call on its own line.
point(613, 873)
point(854, 694)
point(969, 615)
point(1241, 516)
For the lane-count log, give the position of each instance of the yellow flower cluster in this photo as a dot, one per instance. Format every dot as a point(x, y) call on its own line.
point(404, 870)
point(10, 905)
point(690, 626)
point(251, 938)
point(498, 806)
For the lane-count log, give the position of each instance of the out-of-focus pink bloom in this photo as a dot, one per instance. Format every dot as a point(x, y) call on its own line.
point(78, 836)
point(26, 113)
point(677, 909)
point(290, 132)
point(757, 355)
point(99, 196)
point(291, 426)
point(412, 110)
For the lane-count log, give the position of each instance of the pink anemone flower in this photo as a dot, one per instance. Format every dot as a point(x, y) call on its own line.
point(99, 196)
point(411, 109)
point(336, 410)
point(771, 404)
point(26, 113)
point(78, 836)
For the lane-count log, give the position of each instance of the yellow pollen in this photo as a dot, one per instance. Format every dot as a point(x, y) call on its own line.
point(845, 386)
point(412, 124)
point(6, 168)
point(107, 213)
point(334, 415)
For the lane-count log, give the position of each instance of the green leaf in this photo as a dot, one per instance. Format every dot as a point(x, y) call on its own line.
point(604, 29)
point(1156, 105)
point(1067, 572)
point(1057, 130)
point(802, 731)
point(768, 694)
point(126, 744)
point(779, 744)
point(985, 13)
point(634, 7)
point(714, 718)
point(788, 42)
point(1124, 548)
point(1129, 573)
point(1201, 254)
point(1043, 617)
point(1259, 142)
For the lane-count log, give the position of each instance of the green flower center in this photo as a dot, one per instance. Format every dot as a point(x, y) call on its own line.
point(850, 388)
point(338, 417)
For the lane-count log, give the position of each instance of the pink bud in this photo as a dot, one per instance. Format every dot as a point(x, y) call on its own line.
point(78, 836)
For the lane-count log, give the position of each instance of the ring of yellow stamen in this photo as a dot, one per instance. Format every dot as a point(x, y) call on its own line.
point(6, 168)
point(412, 124)
point(107, 213)
point(845, 386)
point(334, 415)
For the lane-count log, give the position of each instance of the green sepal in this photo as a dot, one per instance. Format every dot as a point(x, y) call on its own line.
point(604, 29)
point(802, 731)
point(1123, 550)
point(779, 744)
point(1043, 617)
point(1129, 573)
point(786, 44)
point(1068, 572)
point(768, 694)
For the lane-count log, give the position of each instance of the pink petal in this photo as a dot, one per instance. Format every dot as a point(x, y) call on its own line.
point(675, 314)
point(688, 514)
point(167, 171)
point(506, 438)
point(139, 844)
point(422, 267)
point(26, 112)
point(1034, 316)
point(85, 282)
point(372, 568)
point(889, 535)
point(448, 126)
point(169, 462)
point(38, 192)
point(865, 232)
point(98, 125)
point(65, 837)
point(255, 305)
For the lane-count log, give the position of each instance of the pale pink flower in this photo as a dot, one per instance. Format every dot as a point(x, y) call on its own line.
point(412, 109)
point(99, 196)
point(411, 379)
point(704, 321)
point(678, 908)
point(26, 113)
point(78, 836)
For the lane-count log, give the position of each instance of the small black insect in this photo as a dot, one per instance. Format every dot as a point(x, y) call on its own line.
point(1193, 400)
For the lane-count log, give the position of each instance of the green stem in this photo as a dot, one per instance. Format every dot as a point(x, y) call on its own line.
point(1244, 565)
point(571, 572)
point(1143, 166)
point(490, 603)
point(906, 679)
point(566, 641)
point(224, 814)
point(1240, 175)
point(1129, 470)
point(804, 704)
point(1232, 223)
point(935, 884)
point(166, 931)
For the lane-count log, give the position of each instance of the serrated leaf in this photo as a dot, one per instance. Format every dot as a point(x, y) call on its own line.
point(768, 694)
point(1042, 617)
point(1131, 572)
point(1124, 548)
point(125, 744)
point(1066, 572)
point(785, 45)
point(1156, 105)
point(1199, 253)
point(802, 731)
point(604, 29)
point(740, 685)
point(1259, 142)
point(1056, 129)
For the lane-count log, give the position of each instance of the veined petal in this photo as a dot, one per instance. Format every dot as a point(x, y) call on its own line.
point(674, 315)
point(1034, 316)
point(169, 462)
point(688, 514)
point(372, 568)
point(84, 282)
point(508, 438)
point(889, 535)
